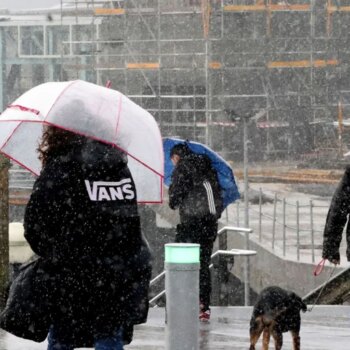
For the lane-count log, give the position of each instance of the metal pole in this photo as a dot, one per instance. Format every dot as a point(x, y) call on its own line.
point(245, 172)
point(246, 211)
point(260, 214)
point(284, 226)
point(274, 221)
point(222, 272)
point(312, 231)
point(207, 121)
point(298, 237)
point(182, 296)
point(340, 129)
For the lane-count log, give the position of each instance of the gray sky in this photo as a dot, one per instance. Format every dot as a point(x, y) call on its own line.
point(27, 4)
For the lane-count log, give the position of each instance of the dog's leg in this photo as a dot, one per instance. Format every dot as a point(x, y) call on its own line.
point(266, 338)
point(278, 338)
point(256, 328)
point(296, 340)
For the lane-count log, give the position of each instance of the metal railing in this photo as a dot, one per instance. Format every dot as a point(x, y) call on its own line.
point(294, 226)
point(222, 264)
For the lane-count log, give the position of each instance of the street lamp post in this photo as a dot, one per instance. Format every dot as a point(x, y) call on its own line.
point(245, 121)
point(246, 211)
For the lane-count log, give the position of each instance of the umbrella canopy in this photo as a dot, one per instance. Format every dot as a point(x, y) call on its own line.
point(93, 111)
point(229, 190)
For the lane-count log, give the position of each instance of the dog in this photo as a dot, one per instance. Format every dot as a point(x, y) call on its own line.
point(276, 311)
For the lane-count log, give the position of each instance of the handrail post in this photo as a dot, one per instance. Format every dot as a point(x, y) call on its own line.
point(312, 232)
point(222, 272)
point(220, 275)
point(223, 240)
point(245, 232)
point(274, 221)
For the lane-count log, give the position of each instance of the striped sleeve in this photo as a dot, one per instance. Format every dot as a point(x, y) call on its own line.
point(210, 197)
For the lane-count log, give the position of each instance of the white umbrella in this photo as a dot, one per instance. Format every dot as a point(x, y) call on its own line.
point(91, 110)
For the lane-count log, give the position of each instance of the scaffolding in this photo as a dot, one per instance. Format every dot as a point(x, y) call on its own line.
point(166, 75)
point(188, 62)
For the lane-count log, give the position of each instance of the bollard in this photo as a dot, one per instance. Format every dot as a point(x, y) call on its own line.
point(182, 296)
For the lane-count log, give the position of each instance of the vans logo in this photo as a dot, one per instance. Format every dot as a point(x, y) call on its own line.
point(110, 191)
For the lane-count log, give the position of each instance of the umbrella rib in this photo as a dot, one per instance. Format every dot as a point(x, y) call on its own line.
point(24, 108)
point(22, 121)
point(61, 93)
point(19, 163)
point(140, 161)
point(118, 114)
point(14, 130)
point(116, 132)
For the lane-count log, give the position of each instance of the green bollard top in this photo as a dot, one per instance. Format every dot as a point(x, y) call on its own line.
point(182, 253)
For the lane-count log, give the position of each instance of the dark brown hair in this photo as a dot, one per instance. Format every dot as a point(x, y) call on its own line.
point(181, 149)
point(57, 141)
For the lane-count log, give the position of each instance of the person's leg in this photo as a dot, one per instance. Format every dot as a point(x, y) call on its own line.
point(183, 234)
point(54, 343)
point(202, 231)
point(206, 250)
point(208, 235)
point(114, 342)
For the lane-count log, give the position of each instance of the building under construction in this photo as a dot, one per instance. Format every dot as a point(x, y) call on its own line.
point(201, 67)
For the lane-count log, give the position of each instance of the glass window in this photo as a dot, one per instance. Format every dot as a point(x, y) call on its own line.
point(57, 38)
point(32, 40)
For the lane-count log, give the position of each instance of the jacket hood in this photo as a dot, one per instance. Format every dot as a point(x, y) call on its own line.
point(91, 155)
point(198, 162)
point(96, 154)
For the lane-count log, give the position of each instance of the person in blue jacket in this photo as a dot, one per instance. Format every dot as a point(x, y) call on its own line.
point(82, 217)
point(195, 191)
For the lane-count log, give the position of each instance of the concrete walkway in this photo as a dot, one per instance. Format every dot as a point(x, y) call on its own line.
point(326, 327)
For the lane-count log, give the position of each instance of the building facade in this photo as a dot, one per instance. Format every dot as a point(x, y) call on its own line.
point(200, 66)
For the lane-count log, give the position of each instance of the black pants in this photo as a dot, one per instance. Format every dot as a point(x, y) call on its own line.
point(202, 231)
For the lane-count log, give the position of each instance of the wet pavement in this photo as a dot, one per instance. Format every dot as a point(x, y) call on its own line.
point(326, 327)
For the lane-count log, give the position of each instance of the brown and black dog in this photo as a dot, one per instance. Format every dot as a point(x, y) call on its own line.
point(276, 311)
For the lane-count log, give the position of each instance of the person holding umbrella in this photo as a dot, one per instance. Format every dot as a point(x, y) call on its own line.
point(195, 191)
point(82, 217)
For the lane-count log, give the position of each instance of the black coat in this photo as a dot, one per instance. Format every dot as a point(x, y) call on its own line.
point(195, 189)
point(337, 218)
point(82, 216)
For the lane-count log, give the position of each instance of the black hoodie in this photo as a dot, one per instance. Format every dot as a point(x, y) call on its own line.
point(195, 189)
point(83, 217)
